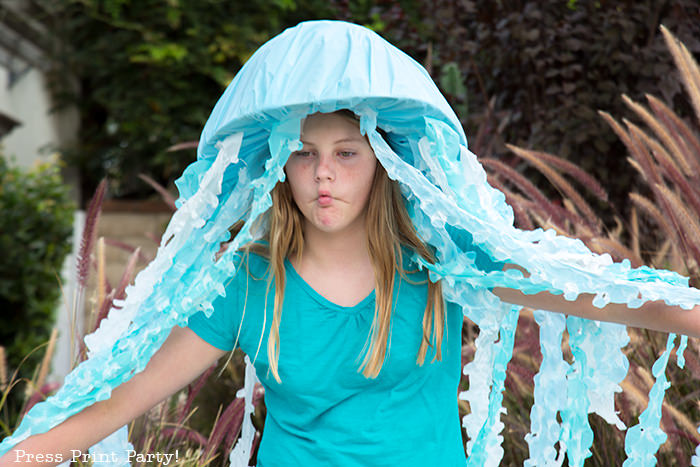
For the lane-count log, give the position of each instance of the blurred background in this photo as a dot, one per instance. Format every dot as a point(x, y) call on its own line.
point(118, 90)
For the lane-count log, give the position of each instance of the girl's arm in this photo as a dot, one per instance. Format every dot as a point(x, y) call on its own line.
point(651, 315)
point(182, 357)
point(654, 315)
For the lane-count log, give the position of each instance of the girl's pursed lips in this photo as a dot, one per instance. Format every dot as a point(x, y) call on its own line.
point(324, 198)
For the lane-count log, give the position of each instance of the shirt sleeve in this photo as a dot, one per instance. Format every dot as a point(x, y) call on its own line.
point(221, 327)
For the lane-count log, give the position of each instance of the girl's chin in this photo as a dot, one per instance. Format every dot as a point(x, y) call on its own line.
point(330, 226)
point(331, 221)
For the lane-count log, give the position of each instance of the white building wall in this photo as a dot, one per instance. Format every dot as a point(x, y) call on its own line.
point(41, 130)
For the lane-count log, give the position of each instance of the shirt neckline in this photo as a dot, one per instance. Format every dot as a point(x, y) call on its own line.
point(294, 275)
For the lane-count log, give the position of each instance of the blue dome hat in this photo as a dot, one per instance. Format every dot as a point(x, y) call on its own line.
point(324, 66)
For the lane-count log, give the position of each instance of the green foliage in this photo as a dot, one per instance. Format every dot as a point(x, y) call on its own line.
point(37, 219)
point(452, 82)
point(538, 72)
point(149, 73)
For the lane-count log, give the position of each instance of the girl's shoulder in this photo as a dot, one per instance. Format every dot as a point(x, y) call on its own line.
point(253, 260)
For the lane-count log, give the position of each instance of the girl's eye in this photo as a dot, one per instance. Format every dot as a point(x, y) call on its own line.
point(346, 153)
point(302, 153)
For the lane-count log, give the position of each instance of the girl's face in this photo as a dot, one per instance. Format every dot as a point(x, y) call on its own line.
point(331, 176)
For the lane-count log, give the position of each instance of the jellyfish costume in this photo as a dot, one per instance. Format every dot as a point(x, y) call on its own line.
point(324, 66)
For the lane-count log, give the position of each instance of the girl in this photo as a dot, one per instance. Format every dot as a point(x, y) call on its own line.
point(357, 252)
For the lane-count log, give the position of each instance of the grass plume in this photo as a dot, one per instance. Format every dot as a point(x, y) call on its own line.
point(651, 210)
point(128, 274)
point(46, 361)
point(526, 186)
point(87, 241)
point(101, 275)
point(689, 226)
point(688, 67)
point(558, 181)
point(164, 194)
point(3, 369)
point(573, 170)
point(129, 248)
point(660, 130)
point(690, 155)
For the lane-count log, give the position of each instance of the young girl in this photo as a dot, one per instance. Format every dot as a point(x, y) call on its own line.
point(364, 232)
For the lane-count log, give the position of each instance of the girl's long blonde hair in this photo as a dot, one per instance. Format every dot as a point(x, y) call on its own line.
point(388, 229)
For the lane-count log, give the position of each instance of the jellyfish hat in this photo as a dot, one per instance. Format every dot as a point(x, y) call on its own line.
point(324, 66)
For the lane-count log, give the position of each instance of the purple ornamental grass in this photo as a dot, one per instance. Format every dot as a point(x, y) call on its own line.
point(666, 153)
point(542, 162)
point(165, 194)
point(117, 293)
point(126, 247)
point(230, 421)
point(183, 434)
point(192, 391)
point(541, 203)
point(87, 241)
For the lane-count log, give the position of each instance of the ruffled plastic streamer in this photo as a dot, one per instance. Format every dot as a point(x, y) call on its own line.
point(323, 66)
point(241, 452)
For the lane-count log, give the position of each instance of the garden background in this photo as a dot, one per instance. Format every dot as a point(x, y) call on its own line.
point(556, 98)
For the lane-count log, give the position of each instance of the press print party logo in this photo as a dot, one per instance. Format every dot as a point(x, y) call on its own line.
point(160, 458)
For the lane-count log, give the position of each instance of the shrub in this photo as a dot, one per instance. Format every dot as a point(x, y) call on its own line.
point(36, 213)
point(149, 73)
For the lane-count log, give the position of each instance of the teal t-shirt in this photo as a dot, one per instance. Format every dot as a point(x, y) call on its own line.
point(326, 413)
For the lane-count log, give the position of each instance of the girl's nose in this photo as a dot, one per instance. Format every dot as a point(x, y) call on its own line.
point(325, 168)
